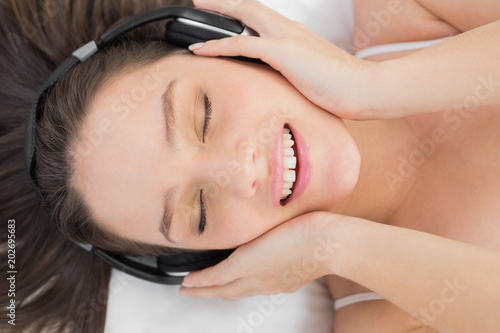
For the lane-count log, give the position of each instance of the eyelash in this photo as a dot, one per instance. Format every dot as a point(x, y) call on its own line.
point(203, 215)
point(208, 115)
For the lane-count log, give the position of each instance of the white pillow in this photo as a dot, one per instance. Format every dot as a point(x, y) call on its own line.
point(331, 19)
point(138, 306)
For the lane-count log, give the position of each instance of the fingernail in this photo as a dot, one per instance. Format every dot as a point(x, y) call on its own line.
point(198, 2)
point(187, 285)
point(196, 46)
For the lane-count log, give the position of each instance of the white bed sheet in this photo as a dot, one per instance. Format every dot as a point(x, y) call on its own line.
point(136, 306)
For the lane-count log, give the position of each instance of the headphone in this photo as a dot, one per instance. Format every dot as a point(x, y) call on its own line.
point(186, 26)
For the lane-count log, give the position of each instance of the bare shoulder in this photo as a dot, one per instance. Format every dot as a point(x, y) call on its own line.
point(464, 14)
point(393, 21)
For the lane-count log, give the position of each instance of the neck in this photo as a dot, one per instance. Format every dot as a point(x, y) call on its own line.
point(385, 180)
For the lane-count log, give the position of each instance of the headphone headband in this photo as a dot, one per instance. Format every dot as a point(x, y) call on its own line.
point(159, 14)
point(225, 27)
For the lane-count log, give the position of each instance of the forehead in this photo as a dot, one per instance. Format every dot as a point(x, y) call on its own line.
point(117, 152)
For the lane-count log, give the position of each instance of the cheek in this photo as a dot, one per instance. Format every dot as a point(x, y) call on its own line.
point(237, 224)
point(254, 91)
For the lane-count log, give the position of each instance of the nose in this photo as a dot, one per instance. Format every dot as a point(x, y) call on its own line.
point(234, 169)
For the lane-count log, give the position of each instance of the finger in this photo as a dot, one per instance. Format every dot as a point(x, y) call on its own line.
point(252, 13)
point(231, 291)
point(246, 46)
point(220, 274)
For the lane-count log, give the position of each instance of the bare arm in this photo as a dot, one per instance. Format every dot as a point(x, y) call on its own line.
point(445, 284)
point(463, 71)
point(448, 285)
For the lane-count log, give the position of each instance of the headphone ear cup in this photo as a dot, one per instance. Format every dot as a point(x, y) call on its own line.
point(191, 261)
point(182, 34)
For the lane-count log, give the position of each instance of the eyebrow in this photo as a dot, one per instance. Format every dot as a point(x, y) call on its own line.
point(169, 196)
point(168, 110)
point(167, 217)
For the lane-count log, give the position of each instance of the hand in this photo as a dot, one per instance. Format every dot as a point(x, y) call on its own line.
point(281, 260)
point(328, 76)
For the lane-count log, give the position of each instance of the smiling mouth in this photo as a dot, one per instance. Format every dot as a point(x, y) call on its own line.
point(290, 164)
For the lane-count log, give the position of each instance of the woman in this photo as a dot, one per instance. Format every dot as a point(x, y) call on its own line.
point(215, 139)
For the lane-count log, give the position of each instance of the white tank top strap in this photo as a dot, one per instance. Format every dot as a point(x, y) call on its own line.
point(356, 298)
point(396, 47)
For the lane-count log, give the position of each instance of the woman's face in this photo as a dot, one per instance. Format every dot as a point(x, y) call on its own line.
point(149, 151)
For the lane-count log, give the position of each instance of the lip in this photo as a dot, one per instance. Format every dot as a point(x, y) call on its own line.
point(303, 173)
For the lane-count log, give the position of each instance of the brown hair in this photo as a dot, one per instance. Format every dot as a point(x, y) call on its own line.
point(59, 286)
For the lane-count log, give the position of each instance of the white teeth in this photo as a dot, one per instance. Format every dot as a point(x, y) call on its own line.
point(289, 176)
point(289, 152)
point(285, 193)
point(290, 162)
